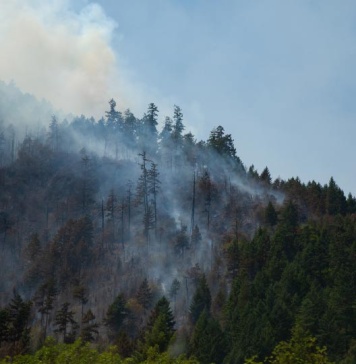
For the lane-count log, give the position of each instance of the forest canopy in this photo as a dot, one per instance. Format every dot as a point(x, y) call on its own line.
point(124, 242)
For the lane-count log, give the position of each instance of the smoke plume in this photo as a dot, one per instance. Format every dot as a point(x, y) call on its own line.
point(56, 53)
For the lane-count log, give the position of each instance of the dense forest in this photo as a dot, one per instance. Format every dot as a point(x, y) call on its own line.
point(122, 242)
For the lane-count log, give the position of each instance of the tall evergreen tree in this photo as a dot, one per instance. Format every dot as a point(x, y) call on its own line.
point(116, 315)
point(160, 326)
point(65, 323)
point(201, 300)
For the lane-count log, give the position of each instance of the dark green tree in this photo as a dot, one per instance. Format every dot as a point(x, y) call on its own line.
point(208, 342)
point(153, 189)
point(160, 326)
point(66, 325)
point(222, 143)
point(148, 137)
point(89, 331)
point(116, 315)
point(144, 294)
point(271, 217)
point(44, 300)
point(201, 299)
point(265, 176)
point(19, 315)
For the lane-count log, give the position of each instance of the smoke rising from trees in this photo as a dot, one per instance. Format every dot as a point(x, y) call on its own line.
point(64, 56)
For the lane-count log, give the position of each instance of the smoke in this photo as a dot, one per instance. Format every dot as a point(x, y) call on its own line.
point(64, 56)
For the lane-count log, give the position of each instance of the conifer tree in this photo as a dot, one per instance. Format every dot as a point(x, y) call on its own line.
point(116, 315)
point(266, 176)
point(208, 342)
point(271, 217)
point(201, 300)
point(160, 326)
point(144, 294)
point(18, 320)
point(153, 188)
point(89, 330)
point(65, 323)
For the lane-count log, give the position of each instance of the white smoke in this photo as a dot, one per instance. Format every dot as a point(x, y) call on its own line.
point(64, 56)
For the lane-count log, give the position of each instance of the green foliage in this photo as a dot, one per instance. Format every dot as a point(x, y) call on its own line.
point(201, 300)
point(76, 353)
point(222, 143)
point(89, 330)
point(159, 330)
point(64, 320)
point(116, 314)
point(300, 349)
point(144, 294)
point(15, 323)
point(271, 217)
point(80, 353)
point(287, 265)
point(266, 176)
point(208, 341)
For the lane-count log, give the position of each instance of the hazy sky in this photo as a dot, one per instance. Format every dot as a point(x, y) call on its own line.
point(279, 75)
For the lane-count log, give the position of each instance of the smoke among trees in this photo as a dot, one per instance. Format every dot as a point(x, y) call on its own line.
point(102, 221)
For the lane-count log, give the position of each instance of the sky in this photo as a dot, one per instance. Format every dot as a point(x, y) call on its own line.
point(279, 76)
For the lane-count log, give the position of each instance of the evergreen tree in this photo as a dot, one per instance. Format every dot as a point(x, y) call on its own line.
point(116, 315)
point(301, 348)
point(53, 135)
point(266, 176)
point(113, 117)
point(44, 300)
point(271, 217)
point(178, 126)
point(130, 129)
point(148, 138)
point(160, 326)
point(65, 323)
point(153, 189)
point(208, 343)
point(221, 143)
point(81, 294)
point(18, 329)
point(144, 294)
point(173, 291)
point(89, 330)
point(206, 187)
point(201, 300)
point(166, 143)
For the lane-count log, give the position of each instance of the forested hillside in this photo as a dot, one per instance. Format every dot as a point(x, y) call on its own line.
point(118, 232)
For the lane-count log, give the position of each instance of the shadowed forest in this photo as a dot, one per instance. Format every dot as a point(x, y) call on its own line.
point(123, 242)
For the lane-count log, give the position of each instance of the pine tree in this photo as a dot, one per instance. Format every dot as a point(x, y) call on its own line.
point(113, 117)
point(178, 126)
point(81, 294)
point(206, 187)
point(201, 300)
point(166, 143)
point(65, 323)
point(148, 138)
point(153, 188)
point(53, 135)
point(208, 342)
point(44, 300)
point(89, 330)
point(116, 314)
point(221, 143)
point(265, 176)
point(160, 326)
point(18, 320)
point(144, 294)
point(271, 217)
point(173, 291)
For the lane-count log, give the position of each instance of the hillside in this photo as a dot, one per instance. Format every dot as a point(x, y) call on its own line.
point(116, 232)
